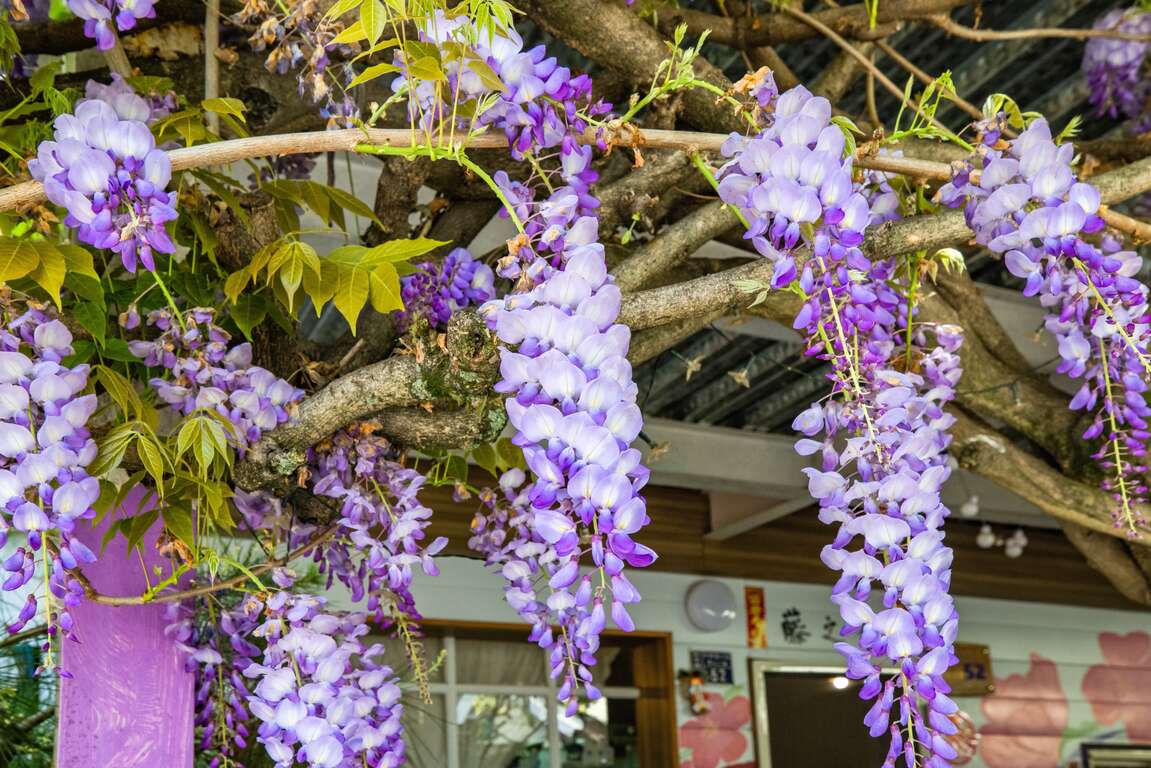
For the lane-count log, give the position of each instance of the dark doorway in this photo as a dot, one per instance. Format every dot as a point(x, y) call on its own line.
point(812, 718)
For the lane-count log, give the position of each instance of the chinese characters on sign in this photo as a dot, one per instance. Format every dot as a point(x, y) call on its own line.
point(793, 628)
point(756, 607)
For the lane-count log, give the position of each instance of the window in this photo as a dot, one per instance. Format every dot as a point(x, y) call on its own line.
point(494, 705)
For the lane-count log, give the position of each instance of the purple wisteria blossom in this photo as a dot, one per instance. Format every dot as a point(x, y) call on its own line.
point(128, 104)
point(1115, 69)
point(322, 697)
point(437, 291)
point(111, 178)
point(881, 434)
point(44, 446)
point(1026, 204)
point(571, 395)
point(103, 17)
point(205, 374)
point(382, 523)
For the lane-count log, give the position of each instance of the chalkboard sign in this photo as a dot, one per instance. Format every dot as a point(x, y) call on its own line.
point(713, 666)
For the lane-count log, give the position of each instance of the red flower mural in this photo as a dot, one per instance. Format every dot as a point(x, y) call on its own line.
point(1025, 719)
point(1119, 689)
point(717, 737)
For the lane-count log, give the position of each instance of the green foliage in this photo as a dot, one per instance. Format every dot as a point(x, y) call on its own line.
point(923, 124)
point(349, 277)
point(1016, 118)
point(44, 263)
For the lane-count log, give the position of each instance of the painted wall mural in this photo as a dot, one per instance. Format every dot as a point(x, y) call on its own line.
point(1031, 721)
point(720, 738)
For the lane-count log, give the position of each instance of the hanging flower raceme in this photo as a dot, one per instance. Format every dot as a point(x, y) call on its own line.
point(435, 292)
point(882, 433)
point(208, 375)
point(574, 401)
point(44, 447)
point(109, 175)
point(103, 17)
point(381, 521)
point(1026, 204)
point(1115, 68)
point(321, 697)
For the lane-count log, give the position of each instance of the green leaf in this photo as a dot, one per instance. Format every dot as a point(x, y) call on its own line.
point(248, 311)
point(427, 68)
point(117, 349)
point(341, 7)
point(225, 106)
point(351, 204)
point(456, 468)
point(78, 260)
point(485, 457)
point(510, 454)
point(152, 456)
point(351, 294)
point(289, 262)
point(400, 250)
point(17, 258)
point(384, 284)
point(85, 287)
point(353, 33)
point(487, 75)
point(122, 392)
point(320, 288)
point(50, 272)
point(373, 20)
point(236, 283)
point(371, 73)
point(110, 451)
point(139, 525)
point(178, 521)
point(93, 318)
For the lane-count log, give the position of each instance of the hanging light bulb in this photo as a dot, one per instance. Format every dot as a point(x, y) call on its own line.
point(970, 508)
point(1015, 543)
point(986, 537)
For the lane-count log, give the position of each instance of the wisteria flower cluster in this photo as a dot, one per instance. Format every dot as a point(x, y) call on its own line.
point(322, 697)
point(571, 395)
point(103, 17)
point(128, 104)
point(105, 169)
point(1026, 204)
point(381, 521)
point(572, 403)
point(44, 447)
point(542, 105)
point(883, 429)
point(208, 375)
point(435, 292)
point(1115, 68)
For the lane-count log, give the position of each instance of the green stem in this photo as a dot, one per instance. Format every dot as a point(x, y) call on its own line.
point(705, 169)
point(171, 302)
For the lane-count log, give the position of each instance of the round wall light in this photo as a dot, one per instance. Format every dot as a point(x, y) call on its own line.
point(710, 605)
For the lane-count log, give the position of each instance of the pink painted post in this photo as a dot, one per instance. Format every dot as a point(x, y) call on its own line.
point(129, 704)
